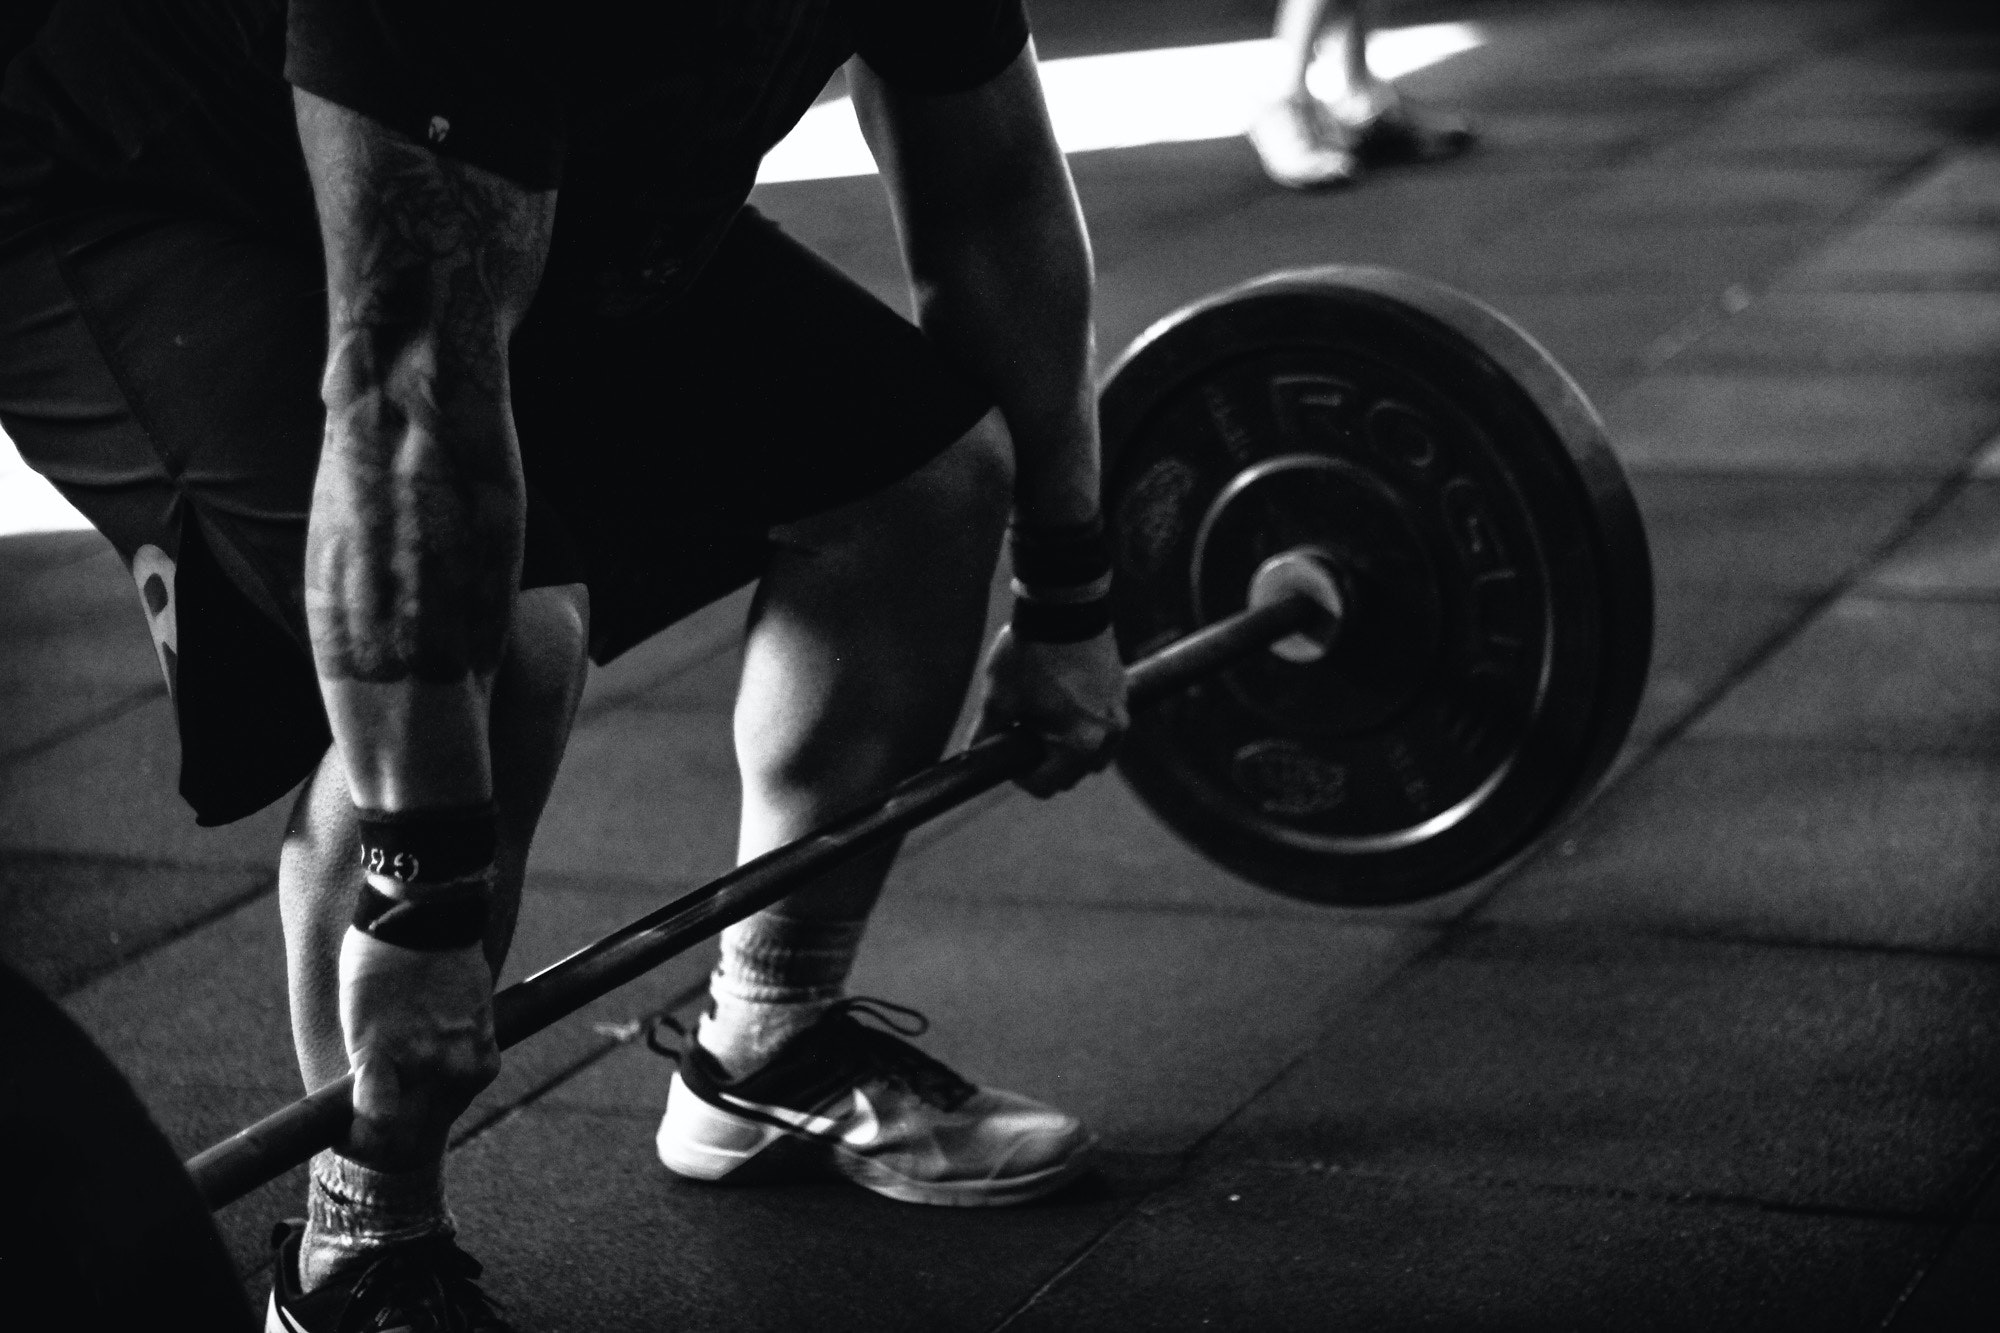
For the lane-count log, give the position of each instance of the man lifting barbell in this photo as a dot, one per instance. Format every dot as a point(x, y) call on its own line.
point(572, 390)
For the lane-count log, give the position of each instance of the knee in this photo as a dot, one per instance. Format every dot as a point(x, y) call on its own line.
point(546, 645)
point(985, 455)
point(966, 492)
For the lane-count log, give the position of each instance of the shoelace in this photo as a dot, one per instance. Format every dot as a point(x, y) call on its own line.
point(885, 1052)
point(882, 1051)
point(433, 1276)
point(658, 1047)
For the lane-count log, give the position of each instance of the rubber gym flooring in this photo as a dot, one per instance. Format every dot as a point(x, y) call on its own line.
point(1721, 1054)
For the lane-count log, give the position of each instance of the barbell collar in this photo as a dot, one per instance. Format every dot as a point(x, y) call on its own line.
point(1302, 572)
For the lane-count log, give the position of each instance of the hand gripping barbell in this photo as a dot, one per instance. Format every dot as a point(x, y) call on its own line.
point(1389, 600)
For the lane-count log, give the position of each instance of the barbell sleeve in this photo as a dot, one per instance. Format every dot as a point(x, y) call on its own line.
point(260, 1152)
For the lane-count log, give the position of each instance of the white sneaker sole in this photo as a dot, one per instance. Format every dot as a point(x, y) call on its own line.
point(872, 1175)
point(701, 1141)
point(704, 1142)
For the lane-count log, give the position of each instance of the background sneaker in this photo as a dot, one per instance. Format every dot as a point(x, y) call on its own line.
point(877, 1110)
point(1382, 126)
point(1300, 146)
point(425, 1286)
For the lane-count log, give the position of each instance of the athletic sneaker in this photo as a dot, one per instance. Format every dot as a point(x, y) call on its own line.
point(424, 1286)
point(1301, 146)
point(876, 1109)
point(1394, 128)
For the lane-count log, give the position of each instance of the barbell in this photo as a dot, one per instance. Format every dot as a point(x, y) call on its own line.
point(1388, 605)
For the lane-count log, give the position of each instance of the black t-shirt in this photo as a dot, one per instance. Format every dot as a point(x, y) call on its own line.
point(650, 115)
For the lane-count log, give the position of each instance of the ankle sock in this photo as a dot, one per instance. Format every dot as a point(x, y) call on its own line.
point(777, 976)
point(352, 1209)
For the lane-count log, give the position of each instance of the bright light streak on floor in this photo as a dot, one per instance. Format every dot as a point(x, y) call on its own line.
point(1176, 95)
point(27, 502)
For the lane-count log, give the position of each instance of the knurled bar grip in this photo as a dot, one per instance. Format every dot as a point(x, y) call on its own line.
point(263, 1151)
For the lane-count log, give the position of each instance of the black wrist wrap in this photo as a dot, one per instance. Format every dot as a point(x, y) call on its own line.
point(453, 917)
point(428, 846)
point(1062, 582)
point(1036, 622)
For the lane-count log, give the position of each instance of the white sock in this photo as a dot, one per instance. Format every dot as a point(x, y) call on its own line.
point(778, 975)
point(352, 1209)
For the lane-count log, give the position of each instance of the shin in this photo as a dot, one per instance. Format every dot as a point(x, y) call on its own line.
point(862, 642)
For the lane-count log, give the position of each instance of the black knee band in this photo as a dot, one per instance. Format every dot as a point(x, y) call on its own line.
point(444, 858)
point(429, 846)
point(453, 917)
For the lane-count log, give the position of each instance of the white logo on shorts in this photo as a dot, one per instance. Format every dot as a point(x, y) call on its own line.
point(153, 571)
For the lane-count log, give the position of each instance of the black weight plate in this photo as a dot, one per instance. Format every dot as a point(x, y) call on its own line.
point(101, 1227)
point(1499, 591)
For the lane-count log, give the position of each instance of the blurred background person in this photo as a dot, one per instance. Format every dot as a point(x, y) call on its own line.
point(1310, 142)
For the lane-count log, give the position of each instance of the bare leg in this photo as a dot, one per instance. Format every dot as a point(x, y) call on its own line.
point(1297, 35)
point(862, 641)
point(535, 695)
point(1297, 139)
point(1352, 34)
point(1373, 118)
point(1306, 141)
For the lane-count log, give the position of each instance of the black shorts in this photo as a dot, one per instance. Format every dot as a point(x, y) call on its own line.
point(164, 373)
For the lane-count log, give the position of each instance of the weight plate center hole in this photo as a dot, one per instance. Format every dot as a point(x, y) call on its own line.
point(1358, 525)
